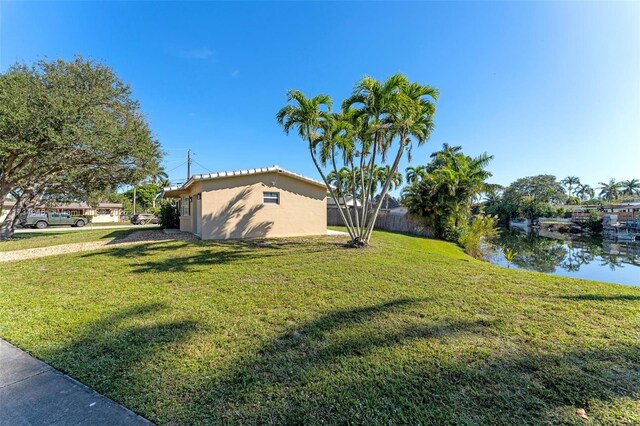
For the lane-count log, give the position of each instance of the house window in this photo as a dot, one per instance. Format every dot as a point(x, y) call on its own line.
point(185, 206)
point(271, 197)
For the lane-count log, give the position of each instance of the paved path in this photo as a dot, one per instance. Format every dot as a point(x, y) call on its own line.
point(84, 228)
point(131, 239)
point(34, 393)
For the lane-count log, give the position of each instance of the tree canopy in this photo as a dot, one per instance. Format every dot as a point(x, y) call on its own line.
point(69, 129)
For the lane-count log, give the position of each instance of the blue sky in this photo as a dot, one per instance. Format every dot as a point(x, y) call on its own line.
point(549, 87)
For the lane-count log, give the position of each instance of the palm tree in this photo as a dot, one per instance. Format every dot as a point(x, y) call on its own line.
point(396, 110)
point(377, 117)
point(585, 192)
point(630, 187)
point(382, 174)
point(569, 182)
point(609, 191)
point(158, 178)
point(446, 194)
point(308, 115)
point(415, 174)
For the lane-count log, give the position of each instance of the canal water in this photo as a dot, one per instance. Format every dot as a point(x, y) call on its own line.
point(591, 258)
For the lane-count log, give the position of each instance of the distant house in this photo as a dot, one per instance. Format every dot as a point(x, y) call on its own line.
point(104, 213)
point(349, 201)
point(622, 211)
point(262, 202)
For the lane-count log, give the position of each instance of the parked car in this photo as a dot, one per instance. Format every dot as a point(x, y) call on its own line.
point(42, 220)
point(144, 219)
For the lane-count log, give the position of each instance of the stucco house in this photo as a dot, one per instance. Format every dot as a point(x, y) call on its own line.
point(262, 202)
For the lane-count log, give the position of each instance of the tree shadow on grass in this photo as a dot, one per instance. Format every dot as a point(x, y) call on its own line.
point(213, 253)
point(351, 366)
point(104, 354)
point(602, 297)
point(277, 384)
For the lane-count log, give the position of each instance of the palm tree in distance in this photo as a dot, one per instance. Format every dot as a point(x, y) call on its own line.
point(382, 174)
point(415, 174)
point(584, 192)
point(609, 191)
point(630, 187)
point(160, 178)
point(570, 182)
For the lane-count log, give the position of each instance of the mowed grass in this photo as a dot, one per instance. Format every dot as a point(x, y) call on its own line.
point(303, 331)
point(27, 240)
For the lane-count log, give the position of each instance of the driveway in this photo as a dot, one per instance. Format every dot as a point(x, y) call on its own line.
point(134, 238)
point(84, 228)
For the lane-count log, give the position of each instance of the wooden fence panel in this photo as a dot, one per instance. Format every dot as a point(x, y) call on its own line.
point(388, 220)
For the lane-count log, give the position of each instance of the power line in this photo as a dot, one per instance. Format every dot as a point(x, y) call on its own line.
point(180, 165)
point(206, 168)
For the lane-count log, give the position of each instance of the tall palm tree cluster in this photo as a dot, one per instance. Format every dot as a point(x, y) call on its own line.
point(358, 149)
point(608, 191)
point(342, 182)
point(445, 190)
point(613, 190)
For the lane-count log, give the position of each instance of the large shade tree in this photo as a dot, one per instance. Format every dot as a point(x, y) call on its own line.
point(378, 124)
point(68, 129)
point(531, 197)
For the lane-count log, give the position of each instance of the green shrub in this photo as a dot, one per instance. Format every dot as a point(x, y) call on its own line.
point(89, 217)
point(168, 215)
point(481, 232)
point(594, 222)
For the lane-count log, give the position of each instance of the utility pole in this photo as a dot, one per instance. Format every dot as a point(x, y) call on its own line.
point(188, 164)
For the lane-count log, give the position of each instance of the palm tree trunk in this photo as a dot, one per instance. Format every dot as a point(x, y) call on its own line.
point(385, 188)
point(335, 169)
point(363, 195)
point(353, 195)
point(326, 182)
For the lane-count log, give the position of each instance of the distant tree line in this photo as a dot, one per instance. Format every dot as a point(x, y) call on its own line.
point(543, 196)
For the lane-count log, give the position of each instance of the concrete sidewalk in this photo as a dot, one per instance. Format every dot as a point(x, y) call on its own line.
point(34, 393)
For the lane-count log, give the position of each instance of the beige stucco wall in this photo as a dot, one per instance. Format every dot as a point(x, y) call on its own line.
point(233, 207)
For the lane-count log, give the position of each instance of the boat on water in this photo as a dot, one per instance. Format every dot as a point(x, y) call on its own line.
point(519, 222)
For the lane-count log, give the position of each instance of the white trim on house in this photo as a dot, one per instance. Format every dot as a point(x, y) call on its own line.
point(221, 175)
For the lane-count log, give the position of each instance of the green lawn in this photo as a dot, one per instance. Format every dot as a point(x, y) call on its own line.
point(302, 331)
point(29, 240)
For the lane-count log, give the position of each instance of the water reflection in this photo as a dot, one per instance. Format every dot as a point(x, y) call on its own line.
point(582, 257)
